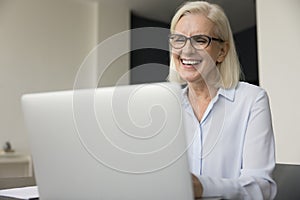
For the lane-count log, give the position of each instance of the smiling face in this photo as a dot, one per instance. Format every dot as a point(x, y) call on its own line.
point(192, 64)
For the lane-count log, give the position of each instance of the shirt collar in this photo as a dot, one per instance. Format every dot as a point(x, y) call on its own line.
point(185, 100)
point(227, 93)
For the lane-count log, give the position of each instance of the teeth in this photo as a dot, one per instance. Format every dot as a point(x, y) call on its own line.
point(190, 62)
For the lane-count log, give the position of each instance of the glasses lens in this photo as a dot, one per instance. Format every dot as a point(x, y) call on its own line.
point(177, 41)
point(200, 41)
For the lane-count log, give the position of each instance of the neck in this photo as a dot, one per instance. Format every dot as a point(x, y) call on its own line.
point(201, 90)
point(200, 95)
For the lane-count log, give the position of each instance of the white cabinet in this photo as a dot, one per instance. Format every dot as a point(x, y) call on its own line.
point(15, 165)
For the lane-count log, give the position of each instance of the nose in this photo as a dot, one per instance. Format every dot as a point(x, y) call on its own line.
point(188, 47)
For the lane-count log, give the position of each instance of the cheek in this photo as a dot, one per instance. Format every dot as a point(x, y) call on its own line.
point(213, 55)
point(176, 58)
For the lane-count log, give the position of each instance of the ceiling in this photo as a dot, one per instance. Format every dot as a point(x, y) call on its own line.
point(241, 13)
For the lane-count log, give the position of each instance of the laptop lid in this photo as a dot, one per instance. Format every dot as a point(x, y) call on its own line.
point(124, 142)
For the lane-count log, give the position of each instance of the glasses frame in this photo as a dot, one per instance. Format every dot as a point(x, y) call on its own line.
point(209, 38)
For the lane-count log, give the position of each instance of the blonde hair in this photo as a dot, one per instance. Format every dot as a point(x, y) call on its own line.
point(229, 69)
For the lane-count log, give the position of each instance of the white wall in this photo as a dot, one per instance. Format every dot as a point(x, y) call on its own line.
point(114, 19)
point(278, 30)
point(42, 45)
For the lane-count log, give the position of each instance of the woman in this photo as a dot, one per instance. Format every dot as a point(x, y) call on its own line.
point(231, 150)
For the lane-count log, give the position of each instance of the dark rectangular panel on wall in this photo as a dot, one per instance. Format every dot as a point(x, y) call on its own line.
point(246, 45)
point(148, 64)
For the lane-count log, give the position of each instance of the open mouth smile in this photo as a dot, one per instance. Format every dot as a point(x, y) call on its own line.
point(190, 63)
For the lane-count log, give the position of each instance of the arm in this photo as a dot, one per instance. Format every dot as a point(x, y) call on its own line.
point(255, 180)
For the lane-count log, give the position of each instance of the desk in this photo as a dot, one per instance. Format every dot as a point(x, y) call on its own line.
point(6, 183)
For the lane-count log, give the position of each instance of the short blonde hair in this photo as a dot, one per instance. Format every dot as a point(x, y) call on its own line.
point(230, 70)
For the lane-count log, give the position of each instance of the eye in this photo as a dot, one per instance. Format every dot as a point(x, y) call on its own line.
point(178, 38)
point(200, 39)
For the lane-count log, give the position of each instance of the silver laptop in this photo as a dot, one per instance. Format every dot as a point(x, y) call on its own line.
point(124, 142)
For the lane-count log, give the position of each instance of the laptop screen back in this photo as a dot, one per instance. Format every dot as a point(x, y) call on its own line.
point(123, 142)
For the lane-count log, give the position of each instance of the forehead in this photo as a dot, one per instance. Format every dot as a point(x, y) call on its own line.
point(193, 24)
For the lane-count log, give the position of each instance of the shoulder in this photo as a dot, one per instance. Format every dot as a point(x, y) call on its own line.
point(249, 94)
point(242, 86)
point(249, 90)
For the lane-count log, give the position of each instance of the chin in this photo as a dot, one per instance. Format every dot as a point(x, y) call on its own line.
point(190, 77)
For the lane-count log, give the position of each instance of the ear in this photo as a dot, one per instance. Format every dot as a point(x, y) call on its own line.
point(223, 52)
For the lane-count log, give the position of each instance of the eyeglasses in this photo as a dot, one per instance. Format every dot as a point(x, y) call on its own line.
point(199, 42)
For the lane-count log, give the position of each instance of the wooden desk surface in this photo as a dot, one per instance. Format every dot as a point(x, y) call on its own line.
point(6, 183)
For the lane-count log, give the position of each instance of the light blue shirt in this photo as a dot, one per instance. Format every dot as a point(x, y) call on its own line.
point(232, 150)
